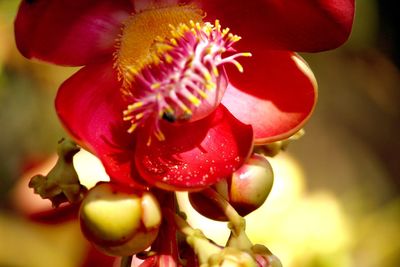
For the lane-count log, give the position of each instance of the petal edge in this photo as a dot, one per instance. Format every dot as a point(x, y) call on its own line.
point(278, 103)
point(195, 155)
point(68, 32)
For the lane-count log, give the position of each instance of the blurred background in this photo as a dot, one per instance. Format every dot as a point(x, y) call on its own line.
point(335, 202)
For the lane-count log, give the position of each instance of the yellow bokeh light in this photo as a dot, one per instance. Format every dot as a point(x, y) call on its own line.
point(89, 168)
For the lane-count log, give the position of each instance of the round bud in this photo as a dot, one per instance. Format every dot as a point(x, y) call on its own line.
point(246, 190)
point(230, 256)
point(264, 257)
point(118, 220)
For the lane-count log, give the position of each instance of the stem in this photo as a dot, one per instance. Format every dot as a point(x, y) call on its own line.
point(200, 244)
point(126, 261)
point(181, 224)
point(237, 223)
point(166, 242)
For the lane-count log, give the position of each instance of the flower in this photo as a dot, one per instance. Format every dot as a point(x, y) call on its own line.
point(153, 100)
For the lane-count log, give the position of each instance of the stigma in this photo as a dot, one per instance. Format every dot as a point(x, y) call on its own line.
point(182, 79)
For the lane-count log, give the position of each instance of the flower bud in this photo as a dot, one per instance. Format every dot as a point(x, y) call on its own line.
point(61, 184)
point(273, 149)
point(118, 220)
point(232, 257)
point(246, 190)
point(264, 257)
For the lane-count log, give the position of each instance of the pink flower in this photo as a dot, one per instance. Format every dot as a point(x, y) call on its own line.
point(178, 138)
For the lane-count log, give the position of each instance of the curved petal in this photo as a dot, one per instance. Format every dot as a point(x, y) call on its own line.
point(276, 94)
point(195, 155)
point(69, 32)
point(90, 107)
point(297, 25)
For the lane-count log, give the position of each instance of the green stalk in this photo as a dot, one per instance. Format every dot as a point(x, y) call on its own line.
point(126, 261)
point(237, 224)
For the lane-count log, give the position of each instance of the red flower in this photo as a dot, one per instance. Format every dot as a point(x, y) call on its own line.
point(115, 91)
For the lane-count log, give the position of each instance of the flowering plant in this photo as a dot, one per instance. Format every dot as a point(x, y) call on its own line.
point(169, 100)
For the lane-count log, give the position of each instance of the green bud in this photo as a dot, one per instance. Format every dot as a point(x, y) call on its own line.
point(119, 220)
point(232, 257)
point(264, 256)
point(61, 184)
point(272, 149)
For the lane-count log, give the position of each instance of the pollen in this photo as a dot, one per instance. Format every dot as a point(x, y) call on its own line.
point(141, 30)
point(178, 74)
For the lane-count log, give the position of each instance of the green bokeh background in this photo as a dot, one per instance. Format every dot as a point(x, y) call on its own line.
point(350, 150)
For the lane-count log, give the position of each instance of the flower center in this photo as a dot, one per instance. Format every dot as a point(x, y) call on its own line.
point(140, 32)
point(178, 73)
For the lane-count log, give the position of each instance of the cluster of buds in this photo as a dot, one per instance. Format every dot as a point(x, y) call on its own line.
point(123, 221)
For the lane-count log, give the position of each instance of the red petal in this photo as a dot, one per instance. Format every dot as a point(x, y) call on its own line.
point(90, 106)
point(297, 25)
point(276, 94)
point(69, 32)
point(195, 155)
point(141, 5)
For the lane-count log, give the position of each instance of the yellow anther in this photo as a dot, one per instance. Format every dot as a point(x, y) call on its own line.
point(127, 118)
point(215, 71)
point(190, 61)
point(132, 70)
point(163, 47)
point(155, 86)
point(207, 76)
point(238, 65)
point(202, 94)
point(139, 116)
point(134, 106)
point(194, 100)
point(132, 128)
point(159, 39)
point(160, 136)
point(155, 59)
point(168, 109)
point(246, 54)
point(217, 25)
point(210, 86)
point(234, 38)
point(175, 34)
point(168, 58)
point(185, 109)
point(198, 26)
point(148, 141)
point(225, 31)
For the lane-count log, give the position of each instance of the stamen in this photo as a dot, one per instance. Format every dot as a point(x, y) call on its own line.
point(232, 60)
point(186, 71)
